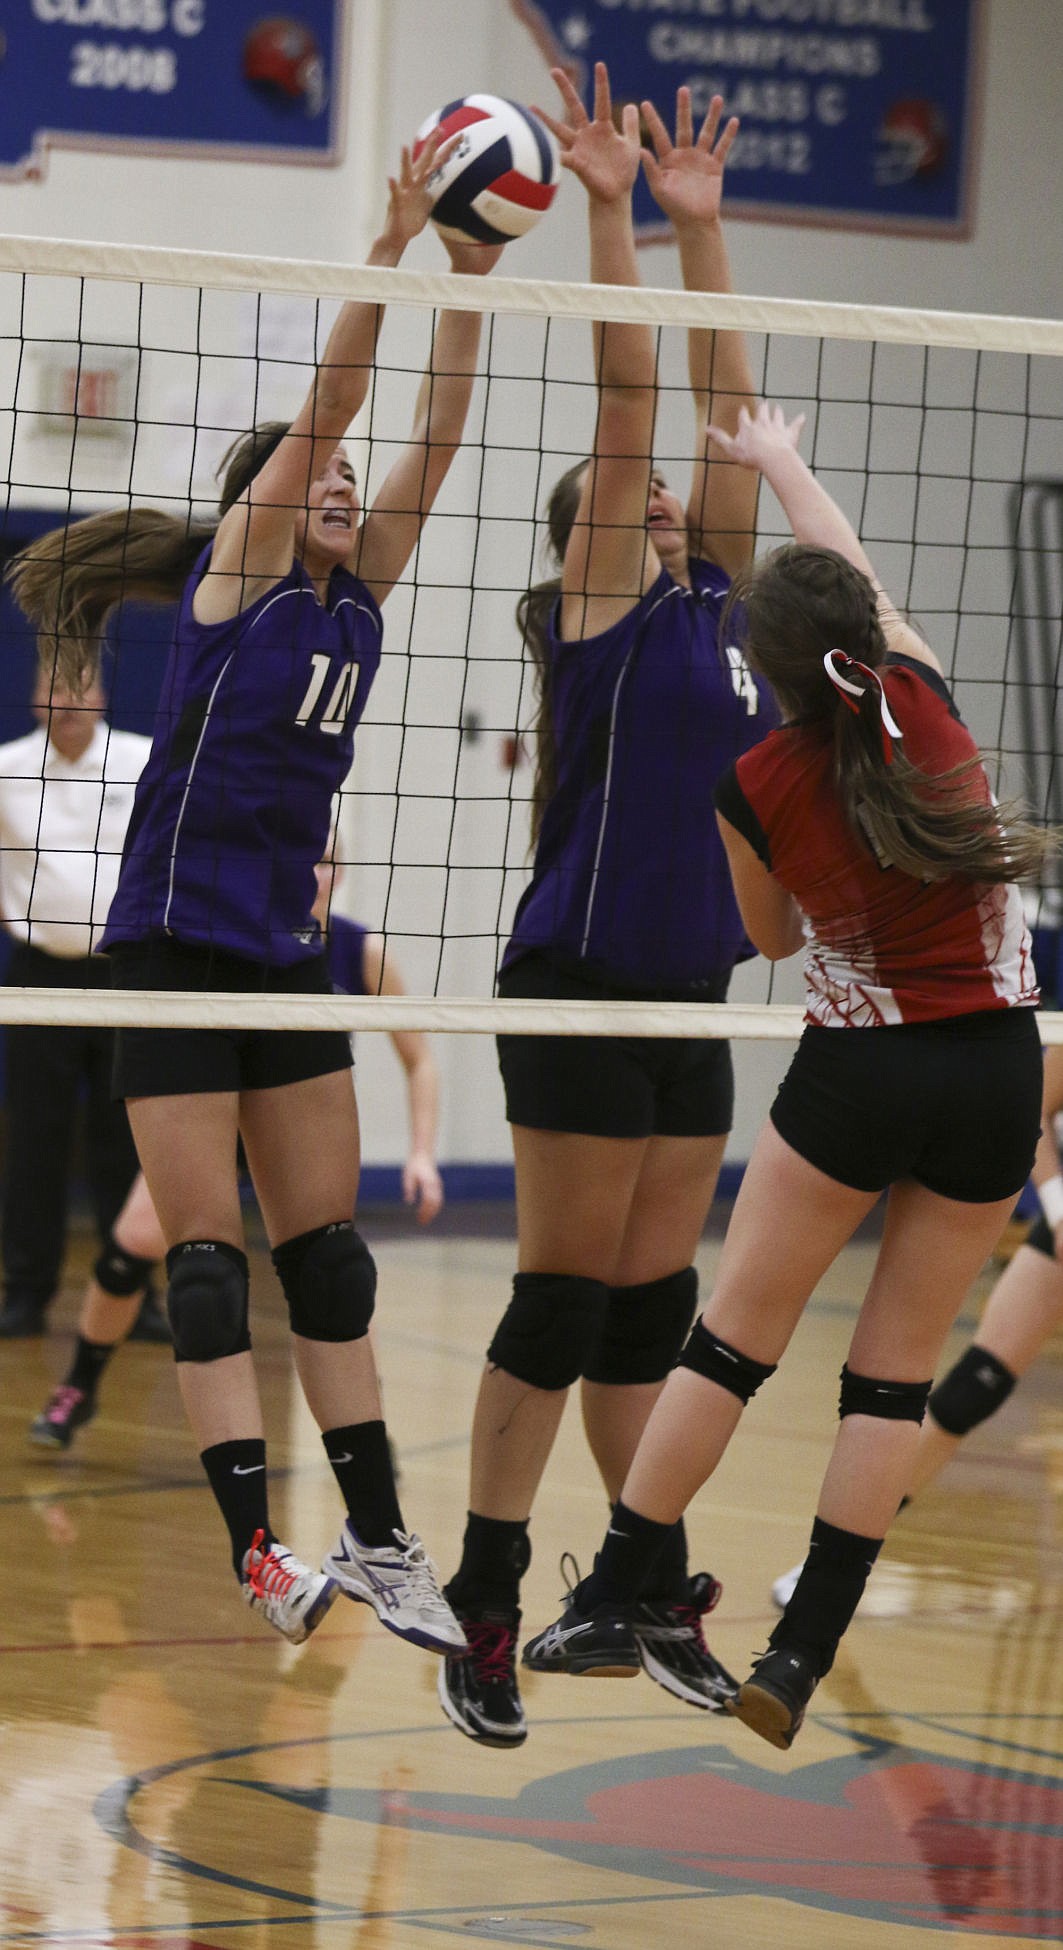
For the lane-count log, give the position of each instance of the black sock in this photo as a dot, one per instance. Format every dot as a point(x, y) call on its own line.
point(88, 1364)
point(495, 1554)
point(827, 1593)
point(669, 1579)
point(627, 1561)
point(361, 1464)
point(236, 1472)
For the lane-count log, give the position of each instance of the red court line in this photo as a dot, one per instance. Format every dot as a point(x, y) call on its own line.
point(155, 1645)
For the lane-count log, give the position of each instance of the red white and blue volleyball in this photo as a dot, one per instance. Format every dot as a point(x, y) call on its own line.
point(502, 175)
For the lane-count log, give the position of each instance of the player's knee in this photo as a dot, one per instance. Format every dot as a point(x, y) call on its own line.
point(705, 1354)
point(971, 1392)
point(119, 1273)
point(643, 1330)
point(549, 1328)
point(329, 1281)
point(888, 1401)
point(207, 1300)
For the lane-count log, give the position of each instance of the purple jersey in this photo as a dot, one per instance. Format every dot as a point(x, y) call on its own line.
point(630, 876)
point(346, 955)
point(253, 737)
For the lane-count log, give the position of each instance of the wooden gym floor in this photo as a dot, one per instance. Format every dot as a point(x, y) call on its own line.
point(175, 1776)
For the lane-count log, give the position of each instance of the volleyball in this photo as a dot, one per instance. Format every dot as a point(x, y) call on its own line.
point(500, 178)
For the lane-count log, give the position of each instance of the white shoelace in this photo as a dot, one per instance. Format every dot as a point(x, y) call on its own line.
point(422, 1573)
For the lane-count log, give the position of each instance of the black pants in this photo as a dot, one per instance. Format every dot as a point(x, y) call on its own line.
point(50, 1073)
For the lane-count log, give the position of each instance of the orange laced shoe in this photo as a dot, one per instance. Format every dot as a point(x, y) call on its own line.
point(291, 1597)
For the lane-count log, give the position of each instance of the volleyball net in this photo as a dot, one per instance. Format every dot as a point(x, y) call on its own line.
point(125, 374)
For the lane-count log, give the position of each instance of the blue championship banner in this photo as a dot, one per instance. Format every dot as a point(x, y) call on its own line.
point(225, 78)
point(859, 113)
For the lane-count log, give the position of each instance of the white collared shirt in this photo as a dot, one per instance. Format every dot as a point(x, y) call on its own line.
point(62, 827)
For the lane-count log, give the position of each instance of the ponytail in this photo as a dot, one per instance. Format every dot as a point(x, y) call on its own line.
point(69, 582)
point(533, 619)
point(812, 628)
point(534, 611)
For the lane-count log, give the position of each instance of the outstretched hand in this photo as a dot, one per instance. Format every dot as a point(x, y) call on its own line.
point(759, 435)
point(409, 201)
point(686, 176)
point(605, 158)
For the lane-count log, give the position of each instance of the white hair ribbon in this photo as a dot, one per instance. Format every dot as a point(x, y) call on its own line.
point(848, 692)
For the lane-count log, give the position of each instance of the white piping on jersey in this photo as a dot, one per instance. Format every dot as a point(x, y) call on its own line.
point(302, 590)
point(188, 786)
point(361, 609)
point(677, 589)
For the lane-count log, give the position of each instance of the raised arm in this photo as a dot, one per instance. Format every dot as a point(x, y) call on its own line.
point(609, 561)
point(256, 540)
point(390, 531)
point(767, 443)
point(686, 178)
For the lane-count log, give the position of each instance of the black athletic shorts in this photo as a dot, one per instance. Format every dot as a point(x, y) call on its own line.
point(183, 1062)
point(955, 1104)
point(612, 1086)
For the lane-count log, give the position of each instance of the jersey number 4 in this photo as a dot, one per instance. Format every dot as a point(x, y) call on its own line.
point(742, 680)
point(334, 716)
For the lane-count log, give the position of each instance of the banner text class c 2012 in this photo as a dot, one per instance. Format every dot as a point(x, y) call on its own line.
point(859, 113)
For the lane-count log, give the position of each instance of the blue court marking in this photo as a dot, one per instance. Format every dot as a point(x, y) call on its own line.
point(944, 1871)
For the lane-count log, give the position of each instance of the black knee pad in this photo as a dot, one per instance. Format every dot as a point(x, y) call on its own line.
point(707, 1355)
point(547, 1331)
point(119, 1273)
point(890, 1401)
point(971, 1392)
point(207, 1300)
point(643, 1330)
point(329, 1281)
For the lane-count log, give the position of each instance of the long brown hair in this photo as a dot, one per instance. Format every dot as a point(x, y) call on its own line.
point(791, 610)
point(534, 610)
point(69, 581)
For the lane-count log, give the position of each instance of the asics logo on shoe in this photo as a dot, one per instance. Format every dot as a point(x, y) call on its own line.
point(381, 1587)
point(247, 1469)
point(558, 1636)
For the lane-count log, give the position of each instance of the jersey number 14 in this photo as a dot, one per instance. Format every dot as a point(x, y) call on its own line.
point(743, 682)
point(333, 718)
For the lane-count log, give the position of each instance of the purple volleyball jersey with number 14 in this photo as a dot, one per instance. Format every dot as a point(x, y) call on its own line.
point(254, 735)
point(630, 879)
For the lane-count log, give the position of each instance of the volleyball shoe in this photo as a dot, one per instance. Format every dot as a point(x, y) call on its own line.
point(671, 1642)
point(401, 1583)
point(291, 1597)
point(478, 1689)
point(774, 1698)
point(66, 1411)
point(591, 1641)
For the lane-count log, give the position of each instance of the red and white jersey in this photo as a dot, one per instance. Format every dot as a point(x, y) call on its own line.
point(883, 947)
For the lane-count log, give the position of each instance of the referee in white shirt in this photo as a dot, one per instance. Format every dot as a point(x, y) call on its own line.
point(66, 794)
